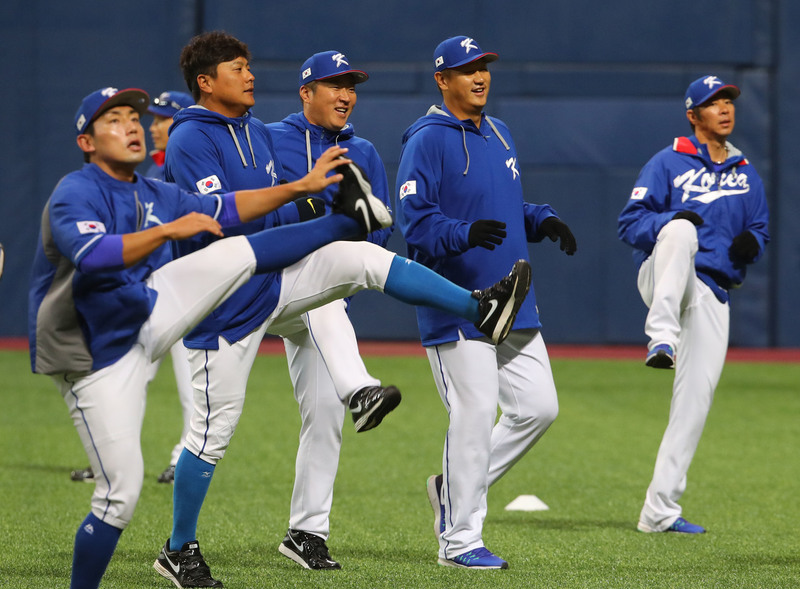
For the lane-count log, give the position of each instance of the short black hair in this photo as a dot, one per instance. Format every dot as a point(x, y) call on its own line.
point(205, 52)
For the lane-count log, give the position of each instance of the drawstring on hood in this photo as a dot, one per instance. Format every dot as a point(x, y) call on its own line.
point(434, 116)
point(200, 112)
point(238, 147)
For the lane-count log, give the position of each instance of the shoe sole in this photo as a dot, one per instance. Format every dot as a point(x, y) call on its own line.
point(642, 527)
point(660, 360)
point(291, 554)
point(164, 572)
point(370, 205)
point(522, 271)
point(373, 418)
point(450, 563)
point(433, 497)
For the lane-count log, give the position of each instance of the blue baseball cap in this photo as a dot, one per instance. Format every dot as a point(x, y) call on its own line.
point(168, 103)
point(458, 51)
point(328, 64)
point(101, 100)
point(703, 89)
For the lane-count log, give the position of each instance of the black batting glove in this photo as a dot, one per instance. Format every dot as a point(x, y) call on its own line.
point(555, 228)
point(689, 216)
point(310, 207)
point(486, 233)
point(744, 248)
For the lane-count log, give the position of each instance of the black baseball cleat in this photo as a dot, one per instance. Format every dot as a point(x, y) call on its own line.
point(371, 404)
point(308, 550)
point(355, 199)
point(85, 475)
point(168, 476)
point(498, 305)
point(185, 568)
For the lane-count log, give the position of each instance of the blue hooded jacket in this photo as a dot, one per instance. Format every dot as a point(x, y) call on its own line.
point(728, 196)
point(451, 174)
point(80, 320)
point(300, 144)
point(210, 153)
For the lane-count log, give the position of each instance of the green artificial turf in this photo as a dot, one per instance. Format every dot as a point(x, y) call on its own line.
point(591, 468)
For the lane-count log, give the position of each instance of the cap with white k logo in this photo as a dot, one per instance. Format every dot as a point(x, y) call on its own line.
point(703, 89)
point(457, 51)
point(328, 64)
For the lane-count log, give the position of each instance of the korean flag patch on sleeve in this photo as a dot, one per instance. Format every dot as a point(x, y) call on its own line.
point(639, 193)
point(91, 227)
point(208, 185)
point(409, 187)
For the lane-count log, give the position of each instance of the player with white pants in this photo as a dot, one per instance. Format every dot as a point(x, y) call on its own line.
point(696, 218)
point(104, 305)
point(324, 361)
point(461, 209)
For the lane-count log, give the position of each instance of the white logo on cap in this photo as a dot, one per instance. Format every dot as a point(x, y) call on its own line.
point(467, 44)
point(439, 61)
point(339, 59)
point(109, 91)
point(711, 81)
point(306, 73)
point(81, 121)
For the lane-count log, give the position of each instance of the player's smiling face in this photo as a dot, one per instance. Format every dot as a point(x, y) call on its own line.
point(466, 88)
point(231, 91)
point(328, 103)
point(117, 143)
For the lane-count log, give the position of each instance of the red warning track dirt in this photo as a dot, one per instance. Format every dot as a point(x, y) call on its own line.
point(273, 345)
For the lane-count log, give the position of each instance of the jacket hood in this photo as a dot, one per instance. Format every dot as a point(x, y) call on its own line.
point(437, 115)
point(317, 133)
point(692, 146)
point(299, 121)
point(209, 117)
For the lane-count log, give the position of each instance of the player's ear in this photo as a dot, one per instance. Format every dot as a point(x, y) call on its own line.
point(441, 80)
point(305, 93)
point(691, 117)
point(204, 83)
point(86, 143)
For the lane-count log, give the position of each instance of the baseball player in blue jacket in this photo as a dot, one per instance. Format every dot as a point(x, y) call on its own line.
point(697, 217)
point(461, 209)
point(327, 87)
point(215, 146)
point(106, 302)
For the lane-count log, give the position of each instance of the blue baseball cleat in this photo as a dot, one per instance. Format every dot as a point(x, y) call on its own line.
point(661, 356)
point(682, 526)
point(480, 558)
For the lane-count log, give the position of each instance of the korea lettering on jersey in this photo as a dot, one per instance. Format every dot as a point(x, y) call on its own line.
point(729, 197)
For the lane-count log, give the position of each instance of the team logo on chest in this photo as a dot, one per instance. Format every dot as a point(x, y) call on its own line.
point(149, 217)
point(511, 164)
point(701, 185)
point(271, 172)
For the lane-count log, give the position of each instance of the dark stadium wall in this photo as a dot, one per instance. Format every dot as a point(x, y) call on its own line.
point(588, 96)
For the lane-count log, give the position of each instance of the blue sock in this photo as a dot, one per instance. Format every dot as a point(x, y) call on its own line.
point(415, 284)
point(192, 478)
point(279, 247)
point(94, 545)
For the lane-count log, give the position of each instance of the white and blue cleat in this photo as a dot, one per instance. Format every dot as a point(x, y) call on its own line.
point(479, 558)
point(661, 356)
